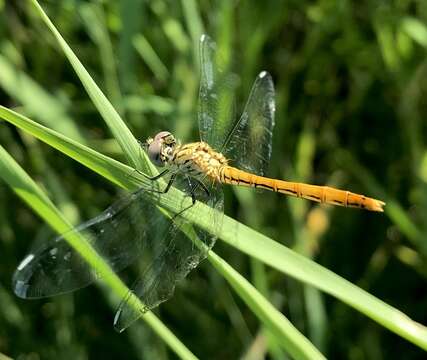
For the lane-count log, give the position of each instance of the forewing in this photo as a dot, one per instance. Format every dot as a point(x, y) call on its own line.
point(216, 95)
point(248, 144)
point(118, 235)
point(177, 256)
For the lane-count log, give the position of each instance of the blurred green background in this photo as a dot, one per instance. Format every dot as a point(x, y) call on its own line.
point(351, 101)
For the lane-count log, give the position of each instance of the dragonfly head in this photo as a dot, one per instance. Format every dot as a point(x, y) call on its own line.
point(160, 148)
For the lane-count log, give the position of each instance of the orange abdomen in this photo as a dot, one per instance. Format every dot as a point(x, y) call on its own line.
point(322, 194)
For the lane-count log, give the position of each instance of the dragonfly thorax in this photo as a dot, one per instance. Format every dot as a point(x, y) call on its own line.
point(194, 159)
point(198, 159)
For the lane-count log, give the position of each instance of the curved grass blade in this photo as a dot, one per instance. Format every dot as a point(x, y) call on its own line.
point(94, 19)
point(394, 210)
point(125, 138)
point(28, 191)
point(245, 239)
point(121, 132)
point(36, 100)
point(194, 23)
point(297, 345)
point(301, 268)
point(119, 174)
point(107, 167)
point(149, 55)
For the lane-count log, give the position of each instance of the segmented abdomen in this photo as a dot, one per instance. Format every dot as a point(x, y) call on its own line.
point(322, 194)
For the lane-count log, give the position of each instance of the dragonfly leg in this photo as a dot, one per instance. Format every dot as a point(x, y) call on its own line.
point(170, 182)
point(168, 185)
point(203, 186)
point(156, 177)
point(166, 189)
point(192, 194)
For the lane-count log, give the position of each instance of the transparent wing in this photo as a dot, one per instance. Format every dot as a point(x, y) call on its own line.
point(119, 235)
point(248, 144)
point(177, 256)
point(216, 95)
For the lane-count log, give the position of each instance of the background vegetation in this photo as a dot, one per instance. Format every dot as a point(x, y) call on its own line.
point(351, 90)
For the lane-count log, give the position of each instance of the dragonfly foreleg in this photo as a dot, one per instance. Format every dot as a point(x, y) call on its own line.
point(166, 189)
point(192, 189)
point(155, 177)
point(169, 184)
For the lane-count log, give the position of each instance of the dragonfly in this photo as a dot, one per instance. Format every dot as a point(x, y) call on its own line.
point(136, 227)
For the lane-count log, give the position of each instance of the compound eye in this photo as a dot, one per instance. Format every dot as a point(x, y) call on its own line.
point(162, 135)
point(154, 151)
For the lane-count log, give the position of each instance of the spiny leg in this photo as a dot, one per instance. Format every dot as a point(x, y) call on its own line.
point(192, 194)
point(169, 184)
point(166, 189)
point(152, 178)
point(203, 186)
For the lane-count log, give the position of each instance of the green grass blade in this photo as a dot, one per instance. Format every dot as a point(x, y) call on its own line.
point(386, 42)
point(297, 266)
point(4, 357)
point(112, 169)
point(195, 26)
point(29, 192)
point(36, 100)
point(244, 239)
point(150, 57)
point(291, 339)
point(127, 141)
point(132, 19)
point(393, 210)
point(94, 19)
point(416, 29)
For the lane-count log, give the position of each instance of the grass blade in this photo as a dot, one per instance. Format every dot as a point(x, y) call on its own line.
point(291, 339)
point(150, 57)
point(127, 141)
point(36, 100)
point(244, 239)
point(29, 192)
point(112, 169)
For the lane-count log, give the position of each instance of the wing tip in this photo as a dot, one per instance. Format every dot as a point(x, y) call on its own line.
point(264, 74)
point(25, 262)
point(205, 38)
